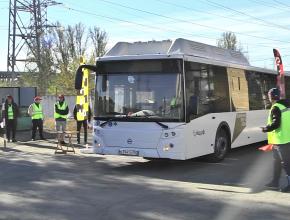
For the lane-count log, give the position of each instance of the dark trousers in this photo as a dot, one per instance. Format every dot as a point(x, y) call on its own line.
point(37, 123)
point(79, 126)
point(281, 155)
point(11, 126)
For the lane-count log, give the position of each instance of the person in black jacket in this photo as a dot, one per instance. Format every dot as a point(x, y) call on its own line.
point(82, 122)
point(281, 152)
point(11, 112)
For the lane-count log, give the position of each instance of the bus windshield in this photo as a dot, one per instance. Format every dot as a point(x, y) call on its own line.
point(139, 96)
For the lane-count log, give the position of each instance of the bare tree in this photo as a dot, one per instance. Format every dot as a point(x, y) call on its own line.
point(99, 39)
point(61, 49)
point(39, 67)
point(229, 40)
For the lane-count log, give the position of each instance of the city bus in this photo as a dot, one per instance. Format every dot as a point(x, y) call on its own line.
point(177, 99)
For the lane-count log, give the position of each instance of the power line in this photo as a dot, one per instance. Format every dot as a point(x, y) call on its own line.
point(189, 22)
point(203, 36)
point(180, 6)
point(93, 14)
point(270, 58)
point(109, 32)
point(247, 15)
point(269, 5)
point(282, 3)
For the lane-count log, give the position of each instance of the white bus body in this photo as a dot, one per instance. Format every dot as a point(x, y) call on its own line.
point(192, 136)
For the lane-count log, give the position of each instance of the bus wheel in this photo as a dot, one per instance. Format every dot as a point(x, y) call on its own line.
point(221, 147)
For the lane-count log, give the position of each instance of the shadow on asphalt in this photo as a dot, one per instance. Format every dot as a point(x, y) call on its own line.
point(40, 187)
point(24, 138)
point(246, 166)
point(9, 150)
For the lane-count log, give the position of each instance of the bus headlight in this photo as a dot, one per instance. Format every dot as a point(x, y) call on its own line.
point(97, 144)
point(165, 148)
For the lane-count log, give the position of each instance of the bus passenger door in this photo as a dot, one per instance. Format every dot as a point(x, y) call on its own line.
point(238, 89)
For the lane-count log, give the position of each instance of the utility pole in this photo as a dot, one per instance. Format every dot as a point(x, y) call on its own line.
point(25, 32)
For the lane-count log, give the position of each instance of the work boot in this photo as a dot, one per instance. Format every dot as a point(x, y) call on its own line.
point(273, 184)
point(287, 188)
point(42, 138)
point(62, 142)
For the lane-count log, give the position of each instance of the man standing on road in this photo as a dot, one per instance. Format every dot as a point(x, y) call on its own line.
point(35, 110)
point(11, 112)
point(60, 114)
point(278, 134)
point(84, 123)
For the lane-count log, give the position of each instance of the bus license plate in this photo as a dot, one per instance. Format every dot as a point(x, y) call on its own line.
point(129, 152)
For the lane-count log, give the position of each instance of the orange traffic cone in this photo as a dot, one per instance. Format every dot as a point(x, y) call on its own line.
point(267, 148)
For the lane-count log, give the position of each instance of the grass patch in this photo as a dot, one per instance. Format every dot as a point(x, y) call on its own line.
point(71, 125)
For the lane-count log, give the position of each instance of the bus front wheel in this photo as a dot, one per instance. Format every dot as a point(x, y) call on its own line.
point(221, 147)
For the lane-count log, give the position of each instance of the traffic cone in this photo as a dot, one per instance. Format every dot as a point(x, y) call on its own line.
point(267, 148)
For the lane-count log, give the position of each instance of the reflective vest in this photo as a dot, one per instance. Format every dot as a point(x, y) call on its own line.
point(280, 135)
point(175, 111)
point(173, 101)
point(10, 112)
point(63, 107)
point(37, 111)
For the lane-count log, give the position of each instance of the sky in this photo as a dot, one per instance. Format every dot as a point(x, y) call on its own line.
point(260, 25)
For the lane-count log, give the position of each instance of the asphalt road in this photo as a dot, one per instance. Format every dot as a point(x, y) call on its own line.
point(36, 184)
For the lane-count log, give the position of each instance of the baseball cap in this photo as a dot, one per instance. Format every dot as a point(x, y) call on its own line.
point(37, 98)
point(274, 93)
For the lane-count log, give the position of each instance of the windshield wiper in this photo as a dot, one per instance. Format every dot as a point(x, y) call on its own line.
point(157, 122)
point(105, 122)
point(146, 116)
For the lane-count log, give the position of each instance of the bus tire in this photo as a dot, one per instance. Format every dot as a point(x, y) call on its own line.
point(221, 147)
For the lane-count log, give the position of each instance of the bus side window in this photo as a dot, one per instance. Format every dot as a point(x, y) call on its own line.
point(259, 85)
point(219, 89)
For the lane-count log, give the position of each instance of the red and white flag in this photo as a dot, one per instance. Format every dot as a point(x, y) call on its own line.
point(280, 77)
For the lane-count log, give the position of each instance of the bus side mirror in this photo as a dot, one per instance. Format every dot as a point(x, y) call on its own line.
point(79, 78)
point(79, 74)
point(193, 105)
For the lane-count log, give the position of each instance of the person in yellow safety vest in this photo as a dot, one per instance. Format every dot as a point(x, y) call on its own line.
point(278, 134)
point(10, 113)
point(175, 105)
point(35, 110)
point(60, 115)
